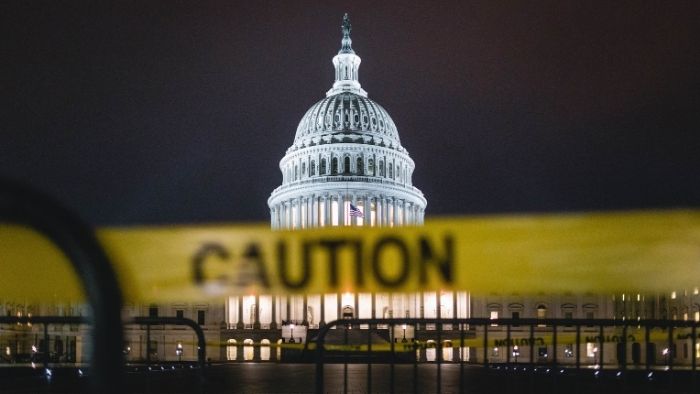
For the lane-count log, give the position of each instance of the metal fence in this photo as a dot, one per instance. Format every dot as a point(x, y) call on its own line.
point(526, 353)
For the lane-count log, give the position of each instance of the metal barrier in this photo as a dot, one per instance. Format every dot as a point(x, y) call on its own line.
point(201, 341)
point(23, 206)
point(513, 335)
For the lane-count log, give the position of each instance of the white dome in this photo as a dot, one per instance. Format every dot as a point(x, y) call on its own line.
point(346, 166)
point(347, 118)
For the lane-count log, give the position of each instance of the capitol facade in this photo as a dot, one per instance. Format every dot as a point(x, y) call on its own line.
point(345, 167)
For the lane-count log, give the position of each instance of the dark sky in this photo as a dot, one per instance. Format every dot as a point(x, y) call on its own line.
point(180, 112)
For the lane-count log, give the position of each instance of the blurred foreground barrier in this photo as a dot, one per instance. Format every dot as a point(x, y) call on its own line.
point(588, 252)
point(72, 245)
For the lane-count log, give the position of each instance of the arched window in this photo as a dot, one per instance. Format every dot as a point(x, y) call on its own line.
point(231, 350)
point(248, 349)
point(360, 167)
point(265, 350)
point(303, 169)
point(312, 168)
point(370, 166)
point(381, 168)
point(391, 171)
point(447, 352)
point(296, 172)
point(541, 313)
point(334, 166)
point(430, 351)
point(323, 170)
point(346, 165)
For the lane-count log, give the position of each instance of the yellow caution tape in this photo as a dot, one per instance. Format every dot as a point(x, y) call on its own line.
point(590, 252)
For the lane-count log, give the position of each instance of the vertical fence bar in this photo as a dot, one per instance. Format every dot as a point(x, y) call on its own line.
point(647, 349)
point(369, 359)
point(508, 344)
point(319, 358)
point(345, 359)
point(461, 358)
point(46, 346)
point(415, 361)
point(148, 344)
point(393, 356)
point(601, 344)
point(439, 356)
point(578, 346)
point(554, 344)
point(624, 347)
point(532, 344)
point(486, 345)
point(669, 354)
point(693, 359)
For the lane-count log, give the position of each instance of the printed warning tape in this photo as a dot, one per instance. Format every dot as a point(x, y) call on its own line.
point(653, 251)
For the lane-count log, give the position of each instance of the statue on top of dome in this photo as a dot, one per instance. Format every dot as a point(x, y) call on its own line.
point(347, 41)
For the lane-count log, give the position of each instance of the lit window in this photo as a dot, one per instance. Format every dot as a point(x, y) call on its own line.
point(591, 349)
point(541, 312)
point(673, 295)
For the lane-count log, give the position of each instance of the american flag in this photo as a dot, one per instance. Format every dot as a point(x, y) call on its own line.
point(354, 211)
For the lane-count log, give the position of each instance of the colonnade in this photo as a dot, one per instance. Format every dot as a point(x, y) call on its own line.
point(314, 310)
point(333, 209)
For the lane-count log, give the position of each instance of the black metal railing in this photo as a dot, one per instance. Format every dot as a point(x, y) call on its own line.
point(481, 341)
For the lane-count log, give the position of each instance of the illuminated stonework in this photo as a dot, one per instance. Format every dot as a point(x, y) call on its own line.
point(346, 152)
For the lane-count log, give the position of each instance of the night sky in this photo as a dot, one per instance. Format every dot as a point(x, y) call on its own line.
point(179, 112)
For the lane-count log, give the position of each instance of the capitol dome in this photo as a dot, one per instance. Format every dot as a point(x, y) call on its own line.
point(346, 166)
point(347, 117)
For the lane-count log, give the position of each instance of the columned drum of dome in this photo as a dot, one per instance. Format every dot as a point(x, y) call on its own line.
point(346, 166)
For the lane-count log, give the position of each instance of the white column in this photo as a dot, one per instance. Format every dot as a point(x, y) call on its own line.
point(327, 210)
point(314, 212)
point(341, 210)
point(307, 216)
point(386, 217)
point(285, 213)
point(300, 209)
point(366, 210)
point(396, 212)
point(297, 209)
point(404, 207)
